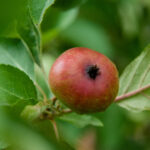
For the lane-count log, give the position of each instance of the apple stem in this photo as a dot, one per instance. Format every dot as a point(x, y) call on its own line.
point(133, 93)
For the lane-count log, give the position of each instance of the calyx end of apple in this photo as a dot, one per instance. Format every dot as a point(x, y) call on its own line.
point(92, 71)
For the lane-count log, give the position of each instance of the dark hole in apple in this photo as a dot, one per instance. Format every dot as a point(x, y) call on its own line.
point(93, 71)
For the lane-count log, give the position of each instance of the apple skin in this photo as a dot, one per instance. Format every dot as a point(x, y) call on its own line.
point(71, 83)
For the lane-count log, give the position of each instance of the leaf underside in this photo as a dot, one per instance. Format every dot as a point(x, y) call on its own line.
point(136, 76)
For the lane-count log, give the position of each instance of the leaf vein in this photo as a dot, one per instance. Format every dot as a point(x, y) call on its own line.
point(127, 87)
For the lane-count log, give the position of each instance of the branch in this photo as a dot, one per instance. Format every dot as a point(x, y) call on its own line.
point(55, 129)
point(127, 95)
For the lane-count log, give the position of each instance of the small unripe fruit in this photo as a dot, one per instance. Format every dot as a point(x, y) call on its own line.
point(84, 80)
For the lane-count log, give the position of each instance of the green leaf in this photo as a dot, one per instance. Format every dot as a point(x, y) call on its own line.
point(28, 26)
point(27, 29)
point(135, 77)
point(15, 86)
point(38, 8)
point(21, 22)
point(30, 35)
point(81, 120)
point(15, 54)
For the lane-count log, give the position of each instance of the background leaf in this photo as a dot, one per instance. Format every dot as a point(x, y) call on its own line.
point(9, 14)
point(135, 76)
point(72, 137)
point(3, 145)
point(25, 137)
point(85, 34)
point(53, 25)
point(15, 86)
point(38, 8)
point(64, 4)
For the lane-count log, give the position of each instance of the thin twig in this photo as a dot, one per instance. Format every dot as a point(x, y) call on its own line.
point(55, 129)
point(42, 92)
point(127, 95)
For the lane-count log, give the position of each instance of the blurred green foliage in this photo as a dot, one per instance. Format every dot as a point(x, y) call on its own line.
point(118, 28)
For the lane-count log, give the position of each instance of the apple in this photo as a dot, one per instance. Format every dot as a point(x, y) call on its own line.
point(84, 80)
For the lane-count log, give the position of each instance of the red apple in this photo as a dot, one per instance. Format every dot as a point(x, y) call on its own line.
point(84, 80)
